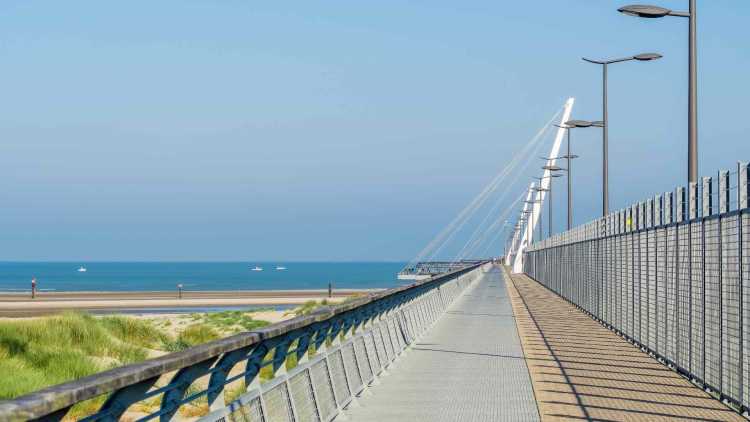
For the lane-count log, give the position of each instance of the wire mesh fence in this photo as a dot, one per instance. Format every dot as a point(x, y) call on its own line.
point(671, 273)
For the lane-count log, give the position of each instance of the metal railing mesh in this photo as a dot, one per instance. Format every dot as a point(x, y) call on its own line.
point(317, 390)
point(672, 274)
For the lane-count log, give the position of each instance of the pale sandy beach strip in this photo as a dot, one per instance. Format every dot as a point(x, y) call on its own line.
point(51, 302)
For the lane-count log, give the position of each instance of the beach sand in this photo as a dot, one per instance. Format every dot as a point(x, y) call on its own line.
point(18, 305)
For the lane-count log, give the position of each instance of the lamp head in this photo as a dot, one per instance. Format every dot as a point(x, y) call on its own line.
point(647, 57)
point(644, 11)
point(578, 123)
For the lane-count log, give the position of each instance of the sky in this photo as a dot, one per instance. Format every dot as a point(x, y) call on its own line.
point(330, 130)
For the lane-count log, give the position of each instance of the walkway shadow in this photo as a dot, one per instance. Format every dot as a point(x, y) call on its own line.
point(582, 371)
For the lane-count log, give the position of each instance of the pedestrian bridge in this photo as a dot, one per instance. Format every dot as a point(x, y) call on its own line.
point(476, 344)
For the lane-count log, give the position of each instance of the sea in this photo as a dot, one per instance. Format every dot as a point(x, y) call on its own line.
point(165, 276)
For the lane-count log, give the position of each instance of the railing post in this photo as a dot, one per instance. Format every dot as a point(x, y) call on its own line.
point(680, 204)
point(658, 210)
point(180, 383)
point(693, 200)
point(708, 197)
point(119, 402)
point(641, 215)
point(216, 384)
point(743, 189)
point(742, 204)
point(723, 191)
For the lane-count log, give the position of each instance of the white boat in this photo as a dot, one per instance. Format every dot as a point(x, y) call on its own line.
point(280, 268)
point(82, 269)
point(257, 268)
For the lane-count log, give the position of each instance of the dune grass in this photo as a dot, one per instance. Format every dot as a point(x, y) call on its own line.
point(232, 321)
point(47, 351)
point(134, 331)
point(197, 334)
point(41, 352)
point(307, 307)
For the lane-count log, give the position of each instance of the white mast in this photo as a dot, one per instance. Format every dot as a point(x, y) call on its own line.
point(517, 235)
point(536, 207)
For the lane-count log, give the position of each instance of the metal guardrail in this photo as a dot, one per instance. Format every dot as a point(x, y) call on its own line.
point(339, 351)
point(437, 267)
point(674, 281)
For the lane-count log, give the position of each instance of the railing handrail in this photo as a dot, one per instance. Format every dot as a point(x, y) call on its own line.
point(58, 397)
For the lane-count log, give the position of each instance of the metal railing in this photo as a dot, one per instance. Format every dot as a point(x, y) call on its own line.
point(339, 350)
point(431, 268)
point(673, 280)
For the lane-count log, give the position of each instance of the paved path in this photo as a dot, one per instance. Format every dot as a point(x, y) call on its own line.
point(582, 371)
point(468, 367)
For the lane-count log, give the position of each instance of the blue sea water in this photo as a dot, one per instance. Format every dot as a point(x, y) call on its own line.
point(164, 276)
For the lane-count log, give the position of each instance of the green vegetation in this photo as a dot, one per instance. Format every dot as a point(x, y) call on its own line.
point(134, 331)
point(47, 351)
point(197, 334)
point(231, 321)
point(40, 352)
point(307, 307)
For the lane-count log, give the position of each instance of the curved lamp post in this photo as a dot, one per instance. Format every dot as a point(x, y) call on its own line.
point(605, 133)
point(529, 218)
point(549, 200)
point(568, 156)
point(539, 221)
point(539, 191)
point(582, 124)
point(653, 12)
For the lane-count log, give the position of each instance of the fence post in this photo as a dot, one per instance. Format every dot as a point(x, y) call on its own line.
point(707, 210)
point(668, 207)
point(692, 201)
point(658, 210)
point(680, 204)
point(742, 195)
point(708, 197)
point(723, 191)
point(743, 190)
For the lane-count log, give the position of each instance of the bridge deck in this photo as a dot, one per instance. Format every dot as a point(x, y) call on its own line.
point(468, 367)
point(582, 371)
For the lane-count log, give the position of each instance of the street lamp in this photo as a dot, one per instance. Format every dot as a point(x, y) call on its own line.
point(540, 190)
point(533, 204)
point(529, 218)
point(552, 169)
point(653, 12)
point(582, 124)
point(568, 156)
point(605, 133)
point(550, 177)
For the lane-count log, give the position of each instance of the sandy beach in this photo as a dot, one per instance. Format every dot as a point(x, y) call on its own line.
point(19, 305)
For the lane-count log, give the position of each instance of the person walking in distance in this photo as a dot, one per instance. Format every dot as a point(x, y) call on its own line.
point(33, 287)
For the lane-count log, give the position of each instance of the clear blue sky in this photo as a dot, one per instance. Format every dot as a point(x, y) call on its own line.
point(340, 130)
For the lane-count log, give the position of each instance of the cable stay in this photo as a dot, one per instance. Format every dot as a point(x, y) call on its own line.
point(491, 221)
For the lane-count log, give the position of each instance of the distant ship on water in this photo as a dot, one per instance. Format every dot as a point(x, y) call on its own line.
point(82, 269)
point(257, 268)
point(280, 268)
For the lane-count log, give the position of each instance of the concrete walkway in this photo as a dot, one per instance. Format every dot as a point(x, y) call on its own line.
point(468, 367)
point(583, 371)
